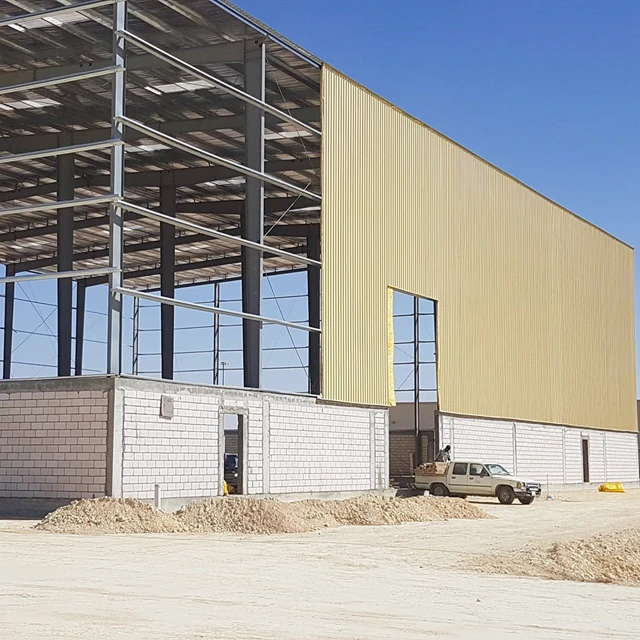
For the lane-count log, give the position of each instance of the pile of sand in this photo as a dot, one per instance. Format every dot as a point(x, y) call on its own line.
point(610, 558)
point(256, 516)
point(108, 515)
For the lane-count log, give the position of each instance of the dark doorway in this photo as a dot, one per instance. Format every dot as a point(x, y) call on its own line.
point(585, 460)
point(234, 452)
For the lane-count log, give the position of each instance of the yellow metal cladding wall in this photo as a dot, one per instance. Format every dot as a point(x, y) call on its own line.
point(535, 306)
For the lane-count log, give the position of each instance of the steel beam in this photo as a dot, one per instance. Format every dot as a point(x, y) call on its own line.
point(58, 80)
point(167, 281)
point(247, 96)
point(61, 151)
point(201, 307)
point(55, 206)
point(216, 335)
point(417, 444)
point(116, 213)
point(177, 177)
point(18, 144)
point(66, 172)
point(55, 12)
point(204, 231)
point(81, 299)
point(224, 52)
point(9, 307)
point(154, 134)
point(80, 274)
point(252, 223)
point(313, 303)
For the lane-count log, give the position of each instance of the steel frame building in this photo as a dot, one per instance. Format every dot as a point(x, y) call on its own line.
point(150, 145)
point(182, 188)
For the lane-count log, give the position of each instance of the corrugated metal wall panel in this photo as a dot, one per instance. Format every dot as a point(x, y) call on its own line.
point(535, 306)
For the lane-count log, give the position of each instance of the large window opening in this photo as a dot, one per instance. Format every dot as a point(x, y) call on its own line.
point(412, 421)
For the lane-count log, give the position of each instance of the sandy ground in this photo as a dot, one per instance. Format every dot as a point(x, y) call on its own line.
point(349, 583)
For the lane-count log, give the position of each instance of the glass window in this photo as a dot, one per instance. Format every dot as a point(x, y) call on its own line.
point(460, 469)
point(497, 470)
point(476, 470)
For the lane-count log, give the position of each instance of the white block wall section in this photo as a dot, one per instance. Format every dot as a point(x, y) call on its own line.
point(622, 457)
point(319, 448)
point(490, 440)
point(597, 463)
point(547, 453)
point(179, 453)
point(53, 439)
point(291, 444)
point(539, 453)
point(573, 456)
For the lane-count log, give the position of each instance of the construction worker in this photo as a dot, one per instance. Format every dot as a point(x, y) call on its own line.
point(444, 455)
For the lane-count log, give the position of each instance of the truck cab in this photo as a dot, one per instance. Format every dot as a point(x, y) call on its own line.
point(461, 478)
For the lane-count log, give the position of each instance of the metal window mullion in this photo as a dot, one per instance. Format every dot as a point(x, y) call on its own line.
point(9, 308)
point(224, 312)
point(196, 228)
point(72, 77)
point(60, 204)
point(212, 157)
point(116, 212)
point(221, 84)
point(60, 151)
point(72, 8)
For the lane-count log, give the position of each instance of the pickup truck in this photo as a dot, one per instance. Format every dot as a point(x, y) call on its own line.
point(463, 479)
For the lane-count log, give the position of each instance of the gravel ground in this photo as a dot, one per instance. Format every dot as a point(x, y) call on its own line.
point(413, 581)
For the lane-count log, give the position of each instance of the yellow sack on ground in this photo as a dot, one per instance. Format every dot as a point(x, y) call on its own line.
point(611, 487)
point(225, 488)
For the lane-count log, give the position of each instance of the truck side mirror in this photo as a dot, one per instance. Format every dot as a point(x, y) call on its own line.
point(484, 473)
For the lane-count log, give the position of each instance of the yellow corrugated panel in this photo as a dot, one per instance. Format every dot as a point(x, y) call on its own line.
point(535, 306)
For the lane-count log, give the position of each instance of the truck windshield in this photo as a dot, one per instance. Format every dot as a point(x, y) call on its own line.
point(497, 470)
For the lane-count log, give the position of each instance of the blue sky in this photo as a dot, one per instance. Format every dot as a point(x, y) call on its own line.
point(547, 91)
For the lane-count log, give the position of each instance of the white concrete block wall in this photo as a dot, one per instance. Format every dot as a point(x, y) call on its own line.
point(573, 456)
point(484, 439)
point(53, 444)
point(319, 448)
point(539, 451)
point(622, 457)
point(180, 453)
point(291, 444)
point(597, 464)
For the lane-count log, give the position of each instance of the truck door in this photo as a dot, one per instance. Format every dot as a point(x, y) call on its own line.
point(479, 480)
point(458, 479)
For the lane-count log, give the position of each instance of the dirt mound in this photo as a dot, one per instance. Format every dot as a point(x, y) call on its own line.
point(108, 515)
point(610, 558)
point(254, 516)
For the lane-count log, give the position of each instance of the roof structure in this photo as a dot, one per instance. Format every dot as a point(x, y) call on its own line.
point(184, 68)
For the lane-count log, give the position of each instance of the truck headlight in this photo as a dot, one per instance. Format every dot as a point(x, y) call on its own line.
point(518, 485)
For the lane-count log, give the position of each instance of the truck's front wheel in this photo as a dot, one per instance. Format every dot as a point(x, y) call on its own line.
point(526, 500)
point(505, 495)
point(438, 490)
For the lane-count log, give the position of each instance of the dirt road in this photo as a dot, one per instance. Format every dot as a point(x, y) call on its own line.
point(349, 583)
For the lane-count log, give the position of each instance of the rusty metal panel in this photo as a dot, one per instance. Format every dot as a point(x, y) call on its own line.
point(535, 305)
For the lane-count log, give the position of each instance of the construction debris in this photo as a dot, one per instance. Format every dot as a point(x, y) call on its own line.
point(252, 516)
point(609, 558)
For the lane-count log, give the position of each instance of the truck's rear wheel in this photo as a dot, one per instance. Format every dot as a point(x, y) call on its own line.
point(505, 495)
point(438, 490)
point(526, 500)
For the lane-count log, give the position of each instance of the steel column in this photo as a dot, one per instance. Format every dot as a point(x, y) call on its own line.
point(216, 335)
point(65, 176)
point(253, 219)
point(9, 306)
point(135, 355)
point(116, 213)
point(417, 450)
point(81, 299)
point(167, 281)
point(313, 302)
